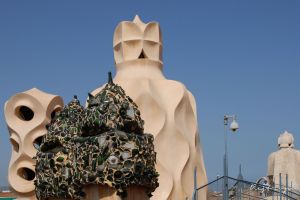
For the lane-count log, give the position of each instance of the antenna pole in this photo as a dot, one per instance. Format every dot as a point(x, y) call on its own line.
point(110, 80)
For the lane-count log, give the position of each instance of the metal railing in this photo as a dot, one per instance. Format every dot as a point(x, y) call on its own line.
point(245, 190)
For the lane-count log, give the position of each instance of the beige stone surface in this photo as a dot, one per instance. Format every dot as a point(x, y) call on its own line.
point(27, 114)
point(285, 161)
point(168, 108)
point(97, 192)
point(136, 39)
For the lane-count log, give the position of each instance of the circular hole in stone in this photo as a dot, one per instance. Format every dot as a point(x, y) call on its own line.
point(37, 142)
point(53, 113)
point(15, 145)
point(26, 173)
point(25, 113)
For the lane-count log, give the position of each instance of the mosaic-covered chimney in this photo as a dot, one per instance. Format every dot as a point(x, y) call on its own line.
point(102, 145)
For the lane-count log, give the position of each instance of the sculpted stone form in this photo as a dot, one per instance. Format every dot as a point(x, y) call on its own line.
point(136, 39)
point(26, 115)
point(168, 108)
point(285, 161)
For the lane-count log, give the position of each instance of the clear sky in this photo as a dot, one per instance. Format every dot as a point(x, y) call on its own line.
point(240, 56)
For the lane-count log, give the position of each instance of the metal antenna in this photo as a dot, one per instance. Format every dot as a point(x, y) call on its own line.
point(110, 80)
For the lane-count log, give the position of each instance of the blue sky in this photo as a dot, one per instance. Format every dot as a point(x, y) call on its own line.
point(239, 57)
